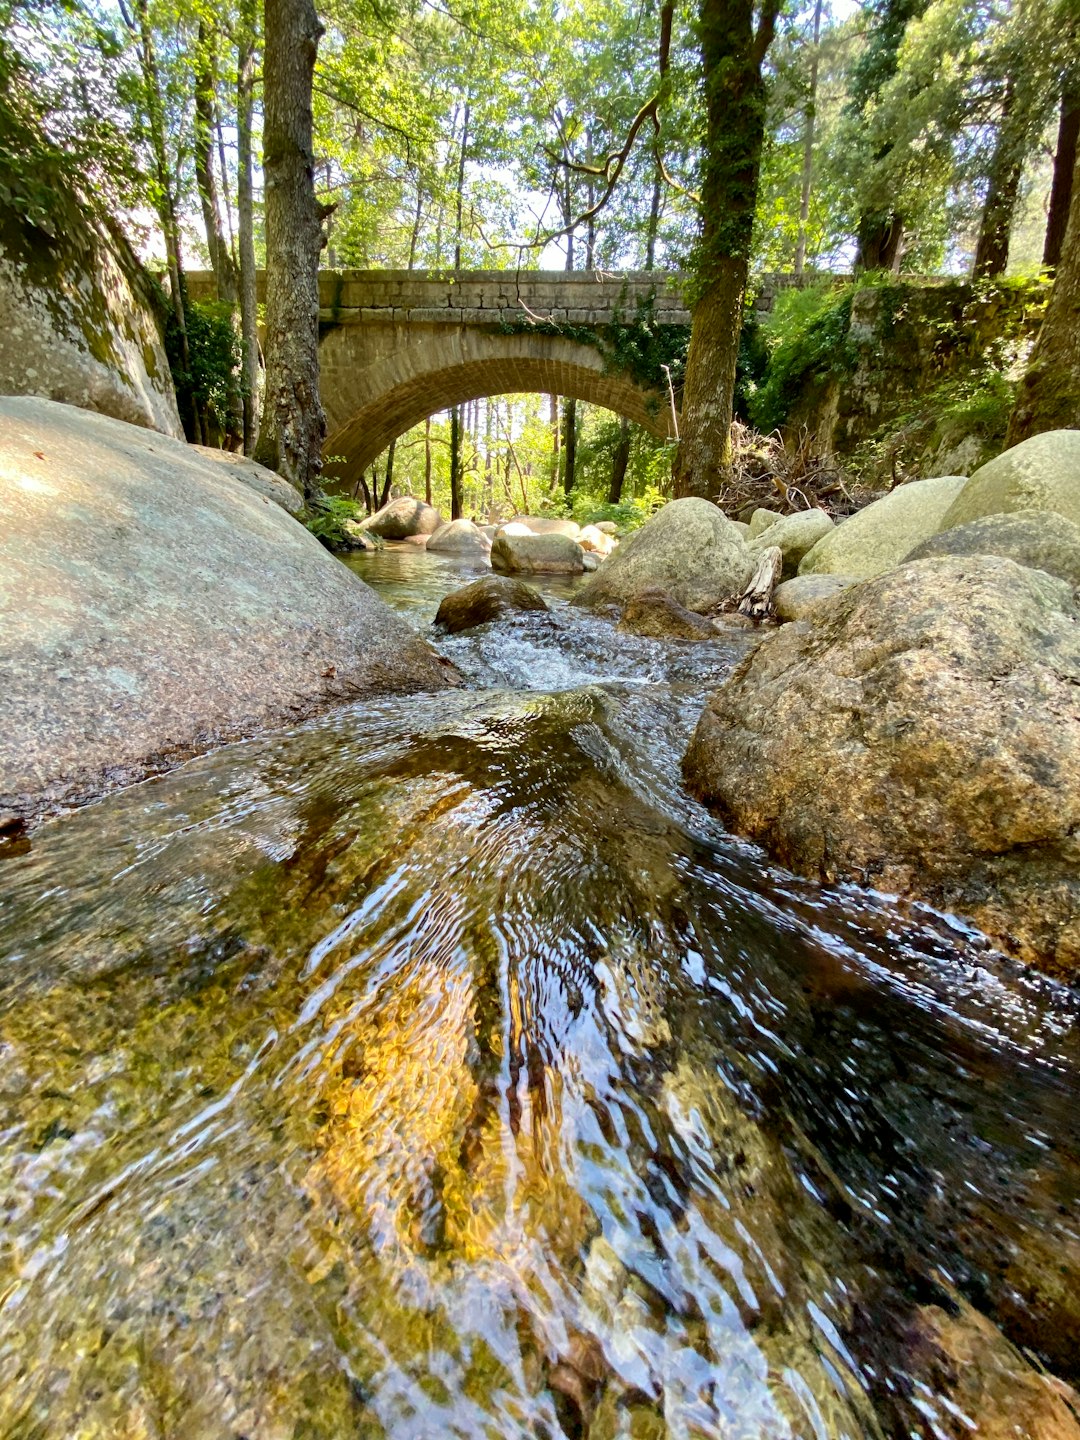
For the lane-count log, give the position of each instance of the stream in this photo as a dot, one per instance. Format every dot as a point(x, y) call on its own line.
point(439, 1068)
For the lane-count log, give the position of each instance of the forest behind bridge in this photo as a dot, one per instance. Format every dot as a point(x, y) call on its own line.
point(718, 139)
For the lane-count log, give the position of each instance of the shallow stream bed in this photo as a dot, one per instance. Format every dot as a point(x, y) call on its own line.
point(439, 1068)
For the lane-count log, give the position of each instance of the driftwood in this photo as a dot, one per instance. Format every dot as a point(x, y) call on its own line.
point(756, 599)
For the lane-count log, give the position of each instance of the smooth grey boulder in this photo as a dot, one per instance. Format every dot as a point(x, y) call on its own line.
point(552, 554)
point(1042, 473)
point(403, 518)
point(459, 537)
point(151, 605)
point(492, 597)
point(689, 548)
point(795, 535)
point(877, 538)
point(922, 735)
point(799, 597)
point(1040, 539)
point(761, 519)
point(256, 477)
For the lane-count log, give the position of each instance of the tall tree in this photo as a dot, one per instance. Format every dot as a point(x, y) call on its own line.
point(1065, 156)
point(293, 422)
point(246, 45)
point(1049, 394)
point(734, 36)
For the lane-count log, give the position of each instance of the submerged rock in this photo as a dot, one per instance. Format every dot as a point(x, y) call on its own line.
point(553, 554)
point(490, 598)
point(794, 535)
point(1040, 539)
point(459, 537)
point(878, 537)
point(151, 605)
point(922, 736)
point(404, 517)
point(1042, 473)
point(689, 548)
point(656, 613)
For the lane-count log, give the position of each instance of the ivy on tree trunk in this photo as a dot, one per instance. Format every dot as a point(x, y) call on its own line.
point(733, 42)
point(293, 423)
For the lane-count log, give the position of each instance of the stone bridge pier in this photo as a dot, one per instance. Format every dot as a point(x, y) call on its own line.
point(400, 345)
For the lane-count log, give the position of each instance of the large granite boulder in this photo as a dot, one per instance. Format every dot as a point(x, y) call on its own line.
point(689, 548)
point(761, 519)
point(459, 537)
point(403, 518)
point(877, 538)
point(1040, 539)
point(599, 542)
point(257, 477)
point(490, 598)
point(921, 735)
point(79, 318)
point(151, 605)
point(552, 554)
point(1042, 473)
point(794, 535)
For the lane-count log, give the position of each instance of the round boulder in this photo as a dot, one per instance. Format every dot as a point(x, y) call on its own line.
point(490, 598)
point(404, 517)
point(922, 736)
point(689, 548)
point(761, 519)
point(153, 605)
point(546, 525)
point(527, 554)
point(594, 539)
point(799, 597)
point(795, 535)
point(1042, 473)
point(459, 537)
point(877, 538)
point(1040, 539)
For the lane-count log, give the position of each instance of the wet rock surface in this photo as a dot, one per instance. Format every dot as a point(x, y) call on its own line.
point(152, 605)
point(921, 736)
point(655, 612)
point(490, 598)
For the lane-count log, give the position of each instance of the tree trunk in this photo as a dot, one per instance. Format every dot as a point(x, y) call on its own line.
point(245, 222)
point(880, 242)
point(570, 428)
point(654, 220)
point(1003, 186)
point(455, 463)
point(619, 462)
point(808, 146)
point(389, 473)
point(732, 53)
point(427, 459)
point(1064, 164)
point(293, 423)
point(217, 245)
point(556, 468)
point(1049, 394)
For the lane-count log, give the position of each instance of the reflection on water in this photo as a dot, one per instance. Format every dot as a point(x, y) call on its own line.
point(437, 1068)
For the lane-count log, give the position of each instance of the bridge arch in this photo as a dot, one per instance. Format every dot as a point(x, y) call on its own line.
point(378, 381)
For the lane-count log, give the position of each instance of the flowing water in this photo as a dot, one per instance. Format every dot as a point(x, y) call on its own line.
point(439, 1068)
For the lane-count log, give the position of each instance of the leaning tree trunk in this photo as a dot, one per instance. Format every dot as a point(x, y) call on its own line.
point(732, 53)
point(1064, 164)
point(619, 461)
point(1049, 394)
point(293, 423)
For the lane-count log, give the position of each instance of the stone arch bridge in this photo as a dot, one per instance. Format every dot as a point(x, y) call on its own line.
point(399, 345)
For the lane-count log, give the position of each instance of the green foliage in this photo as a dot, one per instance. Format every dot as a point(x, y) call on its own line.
point(806, 336)
point(211, 378)
point(326, 517)
point(628, 515)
